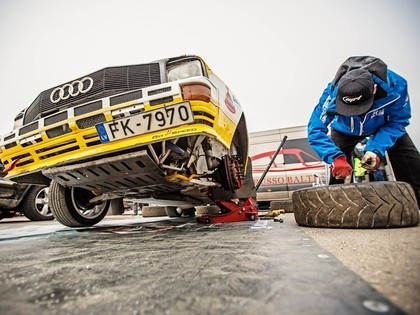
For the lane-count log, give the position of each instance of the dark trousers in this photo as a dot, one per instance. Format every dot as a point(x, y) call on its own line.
point(403, 156)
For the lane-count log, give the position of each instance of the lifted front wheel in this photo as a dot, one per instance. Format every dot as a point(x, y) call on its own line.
point(72, 207)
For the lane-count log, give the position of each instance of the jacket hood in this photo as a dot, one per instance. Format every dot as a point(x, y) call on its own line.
point(372, 64)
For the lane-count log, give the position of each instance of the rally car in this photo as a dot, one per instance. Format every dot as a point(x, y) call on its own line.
point(168, 132)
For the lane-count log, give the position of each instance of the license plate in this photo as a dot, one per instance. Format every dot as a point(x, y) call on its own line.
point(154, 120)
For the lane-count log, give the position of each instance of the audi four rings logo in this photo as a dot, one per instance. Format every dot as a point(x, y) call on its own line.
point(71, 89)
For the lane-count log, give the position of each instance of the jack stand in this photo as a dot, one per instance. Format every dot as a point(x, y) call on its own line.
point(237, 211)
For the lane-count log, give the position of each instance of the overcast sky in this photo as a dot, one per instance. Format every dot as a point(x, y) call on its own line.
point(277, 56)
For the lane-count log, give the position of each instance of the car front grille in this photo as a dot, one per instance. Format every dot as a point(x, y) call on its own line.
point(106, 82)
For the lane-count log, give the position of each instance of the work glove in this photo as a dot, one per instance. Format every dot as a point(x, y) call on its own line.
point(340, 168)
point(370, 161)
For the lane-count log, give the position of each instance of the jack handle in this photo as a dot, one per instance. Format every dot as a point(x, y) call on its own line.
point(271, 162)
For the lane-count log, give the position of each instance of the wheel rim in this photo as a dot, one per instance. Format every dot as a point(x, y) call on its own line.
point(41, 202)
point(81, 201)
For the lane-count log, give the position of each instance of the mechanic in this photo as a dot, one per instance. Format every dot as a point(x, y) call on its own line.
point(365, 99)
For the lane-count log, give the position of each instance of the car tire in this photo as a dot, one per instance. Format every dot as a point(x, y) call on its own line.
point(286, 205)
point(153, 211)
point(35, 206)
point(71, 206)
point(211, 209)
point(360, 205)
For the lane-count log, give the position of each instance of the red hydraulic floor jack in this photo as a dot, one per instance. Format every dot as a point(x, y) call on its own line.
point(232, 211)
point(242, 209)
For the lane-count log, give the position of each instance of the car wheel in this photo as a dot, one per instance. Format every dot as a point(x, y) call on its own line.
point(72, 206)
point(210, 209)
point(360, 205)
point(286, 205)
point(35, 204)
point(153, 211)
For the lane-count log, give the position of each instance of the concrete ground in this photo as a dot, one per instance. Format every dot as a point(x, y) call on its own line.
point(389, 259)
point(132, 265)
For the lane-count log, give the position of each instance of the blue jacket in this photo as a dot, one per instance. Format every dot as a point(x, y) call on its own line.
point(385, 122)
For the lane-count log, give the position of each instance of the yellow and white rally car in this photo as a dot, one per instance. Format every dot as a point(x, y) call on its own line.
point(169, 132)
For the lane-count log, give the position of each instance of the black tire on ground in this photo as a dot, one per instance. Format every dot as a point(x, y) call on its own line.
point(286, 205)
point(71, 206)
point(211, 209)
point(361, 205)
point(35, 204)
point(153, 211)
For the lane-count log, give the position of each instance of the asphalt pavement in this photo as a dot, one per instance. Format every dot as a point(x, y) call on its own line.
point(133, 265)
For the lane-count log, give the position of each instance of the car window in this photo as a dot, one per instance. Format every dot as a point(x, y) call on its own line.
point(308, 158)
point(291, 159)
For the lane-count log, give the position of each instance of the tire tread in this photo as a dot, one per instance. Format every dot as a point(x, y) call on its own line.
point(362, 205)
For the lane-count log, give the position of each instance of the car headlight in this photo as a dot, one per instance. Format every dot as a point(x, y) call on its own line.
point(185, 70)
